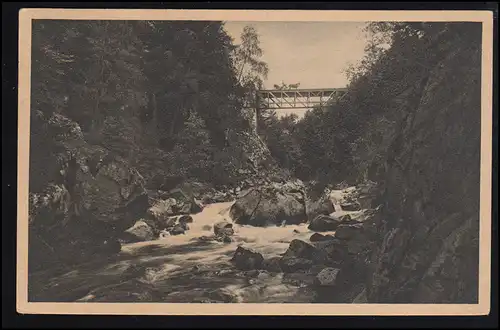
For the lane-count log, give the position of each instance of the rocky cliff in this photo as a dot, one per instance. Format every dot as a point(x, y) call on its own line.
point(429, 225)
point(81, 195)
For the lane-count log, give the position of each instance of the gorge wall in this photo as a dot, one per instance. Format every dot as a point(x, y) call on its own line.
point(429, 226)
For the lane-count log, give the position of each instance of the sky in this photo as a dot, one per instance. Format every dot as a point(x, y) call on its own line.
point(312, 53)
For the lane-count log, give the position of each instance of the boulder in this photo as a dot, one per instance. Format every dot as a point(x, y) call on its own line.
point(206, 238)
point(327, 277)
point(272, 264)
point(317, 237)
point(227, 239)
point(162, 210)
point(223, 228)
point(301, 249)
point(111, 246)
point(327, 222)
point(177, 230)
point(292, 264)
point(247, 259)
point(359, 244)
point(316, 269)
point(223, 238)
point(163, 234)
point(301, 279)
point(222, 295)
point(219, 197)
point(349, 231)
point(186, 203)
point(270, 205)
point(320, 206)
point(166, 222)
point(353, 206)
point(335, 250)
point(141, 231)
point(185, 219)
point(367, 194)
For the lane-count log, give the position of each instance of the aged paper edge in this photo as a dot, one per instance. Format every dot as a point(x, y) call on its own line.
point(25, 307)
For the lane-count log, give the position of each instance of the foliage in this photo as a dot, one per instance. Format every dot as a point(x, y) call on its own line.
point(350, 139)
point(164, 95)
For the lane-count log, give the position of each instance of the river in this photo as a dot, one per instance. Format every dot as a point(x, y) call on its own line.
point(183, 269)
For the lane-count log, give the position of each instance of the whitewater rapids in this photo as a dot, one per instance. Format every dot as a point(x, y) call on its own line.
point(182, 269)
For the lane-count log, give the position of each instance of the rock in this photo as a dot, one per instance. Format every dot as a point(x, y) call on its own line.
point(361, 298)
point(335, 250)
point(432, 204)
point(223, 238)
point(202, 300)
point(316, 269)
point(141, 231)
point(184, 226)
point(317, 237)
point(358, 245)
point(345, 219)
point(327, 277)
point(196, 206)
point(80, 194)
point(365, 194)
point(163, 234)
point(166, 222)
point(251, 273)
point(185, 219)
point(177, 230)
point(222, 295)
point(292, 264)
point(346, 232)
point(324, 223)
point(264, 275)
point(182, 208)
point(219, 197)
point(247, 259)
point(186, 202)
point(298, 279)
point(272, 264)
point(351, 206)
point(162, 210)
point(295, 231)
point(301, 249)
point(270, 205)
point(322, 206)
point(206, 227)
point(111, 246)
point(207, 238)
point(223, 228)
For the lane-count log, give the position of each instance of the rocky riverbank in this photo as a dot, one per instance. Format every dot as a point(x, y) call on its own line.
point(219, 260)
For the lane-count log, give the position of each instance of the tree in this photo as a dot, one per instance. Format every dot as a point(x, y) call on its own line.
point(141, 88)
point(351, 139)
point(250, 69)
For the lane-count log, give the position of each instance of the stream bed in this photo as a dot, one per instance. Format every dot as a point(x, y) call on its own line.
point(183, 269)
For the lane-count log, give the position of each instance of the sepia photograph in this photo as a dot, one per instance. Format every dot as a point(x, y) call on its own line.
point(244, 162)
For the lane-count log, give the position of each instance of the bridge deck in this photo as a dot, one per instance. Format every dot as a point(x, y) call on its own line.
point(299, 98)
point(305, 90)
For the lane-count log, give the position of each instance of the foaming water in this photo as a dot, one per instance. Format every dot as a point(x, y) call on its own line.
point(183, 269)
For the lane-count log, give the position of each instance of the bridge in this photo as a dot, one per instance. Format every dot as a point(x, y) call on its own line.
point(277, 99)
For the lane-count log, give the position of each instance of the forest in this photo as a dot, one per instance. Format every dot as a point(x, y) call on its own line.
point(138, 127)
